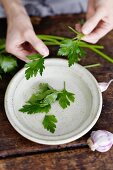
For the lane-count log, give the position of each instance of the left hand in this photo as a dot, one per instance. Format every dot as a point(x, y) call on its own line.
point(99, 20)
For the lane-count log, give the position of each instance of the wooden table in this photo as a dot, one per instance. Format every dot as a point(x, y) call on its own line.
point(18, 153)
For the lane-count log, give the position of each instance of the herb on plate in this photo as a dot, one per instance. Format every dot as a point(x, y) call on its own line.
point(49, 123)
point(42, 100)
point(65, 97)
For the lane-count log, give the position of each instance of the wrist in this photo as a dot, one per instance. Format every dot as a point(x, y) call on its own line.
point(17, 14)
point(14, 9)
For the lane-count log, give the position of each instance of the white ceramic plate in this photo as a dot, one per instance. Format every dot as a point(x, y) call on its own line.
point(73, 122)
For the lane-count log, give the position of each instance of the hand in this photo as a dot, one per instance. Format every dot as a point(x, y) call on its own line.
point(21, 39)
point(99, 20)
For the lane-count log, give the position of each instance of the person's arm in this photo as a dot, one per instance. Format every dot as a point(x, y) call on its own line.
point(20, 30)
point(99, 20)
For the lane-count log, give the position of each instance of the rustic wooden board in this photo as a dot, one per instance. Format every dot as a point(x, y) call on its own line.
point(12, 144)
point(78, 159)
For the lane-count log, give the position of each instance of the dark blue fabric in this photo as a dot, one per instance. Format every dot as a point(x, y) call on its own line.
point(52, 7)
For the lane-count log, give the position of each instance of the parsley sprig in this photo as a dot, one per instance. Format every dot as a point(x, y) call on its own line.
point(35, 66)
point(65, 97)
point(72, 48)
point(42, 100)
point(49, 123)
point(77, 49)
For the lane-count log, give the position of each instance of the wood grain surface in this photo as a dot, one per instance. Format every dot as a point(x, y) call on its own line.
point(19, 153)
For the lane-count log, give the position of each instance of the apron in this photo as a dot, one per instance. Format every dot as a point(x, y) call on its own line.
point(51, 7)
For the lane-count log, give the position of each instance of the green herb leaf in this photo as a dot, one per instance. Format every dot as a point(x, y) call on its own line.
point(43, 91)
point(65, 97)
point(35, 66)
point(7, 63)
point(49, 99)
point(2, 45)
point(71, 49)
point(49, 123)
point(31, 108)
point(44, 87)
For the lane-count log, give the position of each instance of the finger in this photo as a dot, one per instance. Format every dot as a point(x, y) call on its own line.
point(78, 27)
point(90, 9)
point(18, 52)
point(102, 29)
point(91, 23)
point(38, 45)
point(28, 47)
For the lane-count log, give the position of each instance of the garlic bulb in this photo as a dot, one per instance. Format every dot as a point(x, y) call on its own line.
point(100, 140)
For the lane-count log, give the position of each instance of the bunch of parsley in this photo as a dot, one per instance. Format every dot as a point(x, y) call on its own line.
point(42, 101)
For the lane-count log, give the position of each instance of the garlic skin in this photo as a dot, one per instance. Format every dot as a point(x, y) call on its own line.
point(104, 85)
point(100, 140)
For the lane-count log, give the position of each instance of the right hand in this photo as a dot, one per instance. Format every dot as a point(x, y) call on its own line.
point(21, 39)
point(99, 20)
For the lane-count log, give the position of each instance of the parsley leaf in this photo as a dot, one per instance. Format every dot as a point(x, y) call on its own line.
point(65, 97)
point(40, 101)
point(31, 108)
point(72, 50)
point(50, 99)
point(35, 66)
point(2, 45)
point(40, 96)
point(43, 87)
point(49, 123)
point(43, 92)
point(7, 63)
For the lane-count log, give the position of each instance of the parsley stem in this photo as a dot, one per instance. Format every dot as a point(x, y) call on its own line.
point(64, 85)
point(86, 45)
point(51, 43)
point(79, 35)
point(73, 30)
point(49, 39)
point(102, 54)
point(51, 36)
point(93, 65)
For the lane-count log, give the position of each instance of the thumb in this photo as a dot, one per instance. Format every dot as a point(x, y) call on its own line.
point(92, 22)
point(38, 45)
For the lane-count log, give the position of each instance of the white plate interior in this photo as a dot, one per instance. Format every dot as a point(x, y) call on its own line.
point(74, 121)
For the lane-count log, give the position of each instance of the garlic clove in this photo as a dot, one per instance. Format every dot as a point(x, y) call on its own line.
point(100, 140)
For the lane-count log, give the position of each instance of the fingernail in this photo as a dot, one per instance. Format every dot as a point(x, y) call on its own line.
point(44, 51)
point(85, 31)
